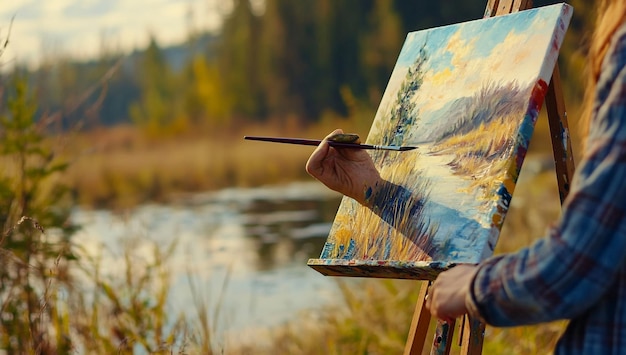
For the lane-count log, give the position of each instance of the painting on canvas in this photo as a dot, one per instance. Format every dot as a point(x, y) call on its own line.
point(467, 95)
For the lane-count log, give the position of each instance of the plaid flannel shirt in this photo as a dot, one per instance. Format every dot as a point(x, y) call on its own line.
point(578, 271)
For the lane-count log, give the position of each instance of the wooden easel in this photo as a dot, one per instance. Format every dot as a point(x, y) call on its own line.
point(472, 331)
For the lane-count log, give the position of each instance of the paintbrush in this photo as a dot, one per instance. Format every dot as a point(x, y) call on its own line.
point(332, 143)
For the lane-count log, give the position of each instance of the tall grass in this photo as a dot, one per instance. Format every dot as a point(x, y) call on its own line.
point(370, 319)
point(126, 314)
point(33, 264)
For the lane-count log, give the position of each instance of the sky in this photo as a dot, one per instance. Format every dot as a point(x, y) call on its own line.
point(81, 28)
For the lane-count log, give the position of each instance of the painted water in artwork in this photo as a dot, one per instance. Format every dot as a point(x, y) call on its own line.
point(468, 96)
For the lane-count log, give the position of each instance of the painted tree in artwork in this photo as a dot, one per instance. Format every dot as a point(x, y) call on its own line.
point(404, 112)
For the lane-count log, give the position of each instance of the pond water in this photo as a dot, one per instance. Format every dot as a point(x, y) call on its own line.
point(244, 250)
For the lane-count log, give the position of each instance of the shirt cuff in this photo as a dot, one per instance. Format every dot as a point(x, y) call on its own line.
point(471, 304)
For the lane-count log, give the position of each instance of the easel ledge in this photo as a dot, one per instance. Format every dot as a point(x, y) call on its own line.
point(392, 269)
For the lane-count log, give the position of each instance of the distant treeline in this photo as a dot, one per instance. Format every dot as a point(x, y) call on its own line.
point(291, 60)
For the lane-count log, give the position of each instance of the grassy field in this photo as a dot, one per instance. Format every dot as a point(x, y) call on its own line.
point(119, 167)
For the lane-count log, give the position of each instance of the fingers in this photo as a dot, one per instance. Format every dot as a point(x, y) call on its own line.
point(314, 166)
point(433, 304)
point(344, 170)
point(448, 293)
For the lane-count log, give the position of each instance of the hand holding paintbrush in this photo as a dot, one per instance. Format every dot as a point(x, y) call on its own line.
point(346, 168)
point(348, 171)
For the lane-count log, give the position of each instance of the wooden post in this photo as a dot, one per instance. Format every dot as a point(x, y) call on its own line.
point(559, 132)
point(472, 336)
point(419, 324)
point(443, 338)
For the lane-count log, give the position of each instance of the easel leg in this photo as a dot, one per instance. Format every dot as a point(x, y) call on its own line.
point(443, 339)
point(419, 324)
point(472, 332)
point(560, 134)
point(472, 336)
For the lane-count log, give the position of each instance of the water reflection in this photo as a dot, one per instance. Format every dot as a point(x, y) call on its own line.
point(287, 231)
point(258, 240)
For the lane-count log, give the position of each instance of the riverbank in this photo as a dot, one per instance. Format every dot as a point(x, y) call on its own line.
point(244, 251)
point(119, 167)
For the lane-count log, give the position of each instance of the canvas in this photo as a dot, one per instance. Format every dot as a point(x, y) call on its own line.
point(468, 96)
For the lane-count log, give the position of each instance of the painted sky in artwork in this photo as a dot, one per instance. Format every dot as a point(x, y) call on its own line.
point(499, 55)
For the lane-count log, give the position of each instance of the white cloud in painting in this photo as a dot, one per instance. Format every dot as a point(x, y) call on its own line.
point(461, 49)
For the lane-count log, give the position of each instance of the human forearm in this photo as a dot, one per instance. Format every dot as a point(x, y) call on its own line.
point(395, 204)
